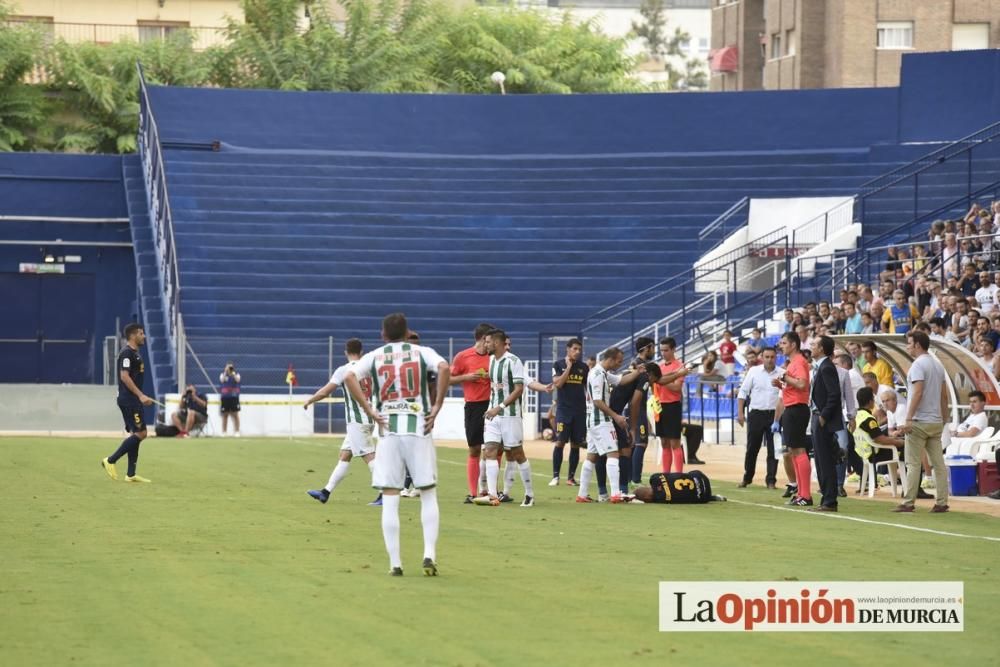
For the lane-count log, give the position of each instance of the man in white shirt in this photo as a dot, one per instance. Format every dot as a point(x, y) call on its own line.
point(764, 398)
point(986, 296)
point(895, 411)
point(975, 423)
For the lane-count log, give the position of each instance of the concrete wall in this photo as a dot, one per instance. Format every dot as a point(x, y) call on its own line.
point(59, 408)
point(209, 13)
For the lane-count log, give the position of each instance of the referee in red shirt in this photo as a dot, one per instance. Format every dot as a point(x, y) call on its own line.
point(794, 385)
point(471, 368)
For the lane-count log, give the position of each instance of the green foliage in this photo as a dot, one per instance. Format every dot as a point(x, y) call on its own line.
point(22, 106)
point(390, 46)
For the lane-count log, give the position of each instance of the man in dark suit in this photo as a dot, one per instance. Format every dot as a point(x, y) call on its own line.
point(827, 418)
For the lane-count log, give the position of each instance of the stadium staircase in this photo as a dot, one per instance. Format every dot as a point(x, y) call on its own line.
point(150, 290)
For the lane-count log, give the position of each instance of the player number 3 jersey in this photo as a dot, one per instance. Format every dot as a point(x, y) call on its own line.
point(506, 373)
point(599, 383)
point(400, 391)
point(352, 411)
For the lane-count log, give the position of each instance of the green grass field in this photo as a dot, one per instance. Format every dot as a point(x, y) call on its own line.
point(225, 560)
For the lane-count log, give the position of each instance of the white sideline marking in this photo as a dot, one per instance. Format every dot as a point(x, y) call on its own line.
point(878, 523)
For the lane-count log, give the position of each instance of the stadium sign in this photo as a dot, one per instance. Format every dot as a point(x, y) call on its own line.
point(812, 606)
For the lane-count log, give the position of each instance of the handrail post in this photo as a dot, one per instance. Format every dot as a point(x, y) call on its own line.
point(916, 194)
point(968, 154)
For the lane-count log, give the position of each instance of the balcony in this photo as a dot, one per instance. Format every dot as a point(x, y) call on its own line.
point(202, 37)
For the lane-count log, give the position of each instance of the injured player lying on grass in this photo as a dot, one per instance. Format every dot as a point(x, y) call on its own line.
point(677, 488)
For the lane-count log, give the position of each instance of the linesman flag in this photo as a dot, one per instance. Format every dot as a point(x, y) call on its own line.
point(290, 378)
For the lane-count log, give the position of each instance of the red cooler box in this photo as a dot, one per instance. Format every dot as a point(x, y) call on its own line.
point(989, 479)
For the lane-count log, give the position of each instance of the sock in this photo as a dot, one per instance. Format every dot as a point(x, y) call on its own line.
point(557, 459)
point(666, 459)
point(613, 471)
point(430, 519)
point(133, 457)
point(492, 472)
point(678, 455)
point(390, 528)
point(803, 471)
point(371, 467)
point(337, 476)
point(574, 460)
point(508, 475)
point(529, 488)
point(588, 472)
point(638, 452)
point(482, 476)
point(625, 471)
point(601, 468)
point(472, 475)
point(122, 449)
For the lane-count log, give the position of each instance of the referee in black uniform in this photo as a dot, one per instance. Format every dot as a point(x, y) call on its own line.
point(131, 370)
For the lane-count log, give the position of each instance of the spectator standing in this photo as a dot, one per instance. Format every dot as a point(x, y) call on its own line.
point(900, 316)
point(758, 386)
point(229, 389)
point(852, 320)
point(986, 295)
point(924, 422)
point(727, 350)
point(879, 367)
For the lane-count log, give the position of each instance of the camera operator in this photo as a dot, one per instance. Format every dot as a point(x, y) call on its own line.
point(229, 388)
point(193, 412)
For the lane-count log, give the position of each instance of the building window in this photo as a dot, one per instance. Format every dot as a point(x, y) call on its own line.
point(776, 46)
point(790, 42)
point(894, 35)
point(703, 45)
point(969, 36)
point(150, 31)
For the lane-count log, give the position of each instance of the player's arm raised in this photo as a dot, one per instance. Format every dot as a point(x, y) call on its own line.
point(127, 381)
point(561, 379)
point(354, 386)
point(444, 375)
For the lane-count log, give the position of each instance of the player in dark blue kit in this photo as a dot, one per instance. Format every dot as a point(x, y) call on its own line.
point(677, 488)
point(131, 369)
point(629, 400)
point(569, 376)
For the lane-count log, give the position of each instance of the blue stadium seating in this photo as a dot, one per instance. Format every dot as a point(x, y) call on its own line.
point(292, 245)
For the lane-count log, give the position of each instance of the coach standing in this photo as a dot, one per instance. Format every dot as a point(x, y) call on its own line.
point(827, 419)
point(471, 368)
point(928, 402)
point(764, 397)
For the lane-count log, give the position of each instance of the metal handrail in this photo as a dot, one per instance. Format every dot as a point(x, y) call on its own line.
point(825, 218)
point(722, 219)
point(898, 229)
point(927, 161)
point(684, 277)
point(154, 173)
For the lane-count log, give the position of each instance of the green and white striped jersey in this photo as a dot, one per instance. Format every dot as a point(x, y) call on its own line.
point(599, 383)
point(400, 391)
point(352, 411)
point(505, 374)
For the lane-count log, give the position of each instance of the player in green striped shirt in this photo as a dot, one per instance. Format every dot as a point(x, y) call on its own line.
point(504, 419)
point(360, 440)
point(405, 411)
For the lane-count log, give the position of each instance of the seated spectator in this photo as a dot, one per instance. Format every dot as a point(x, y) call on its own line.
point(789, 323)
point(873, 364)
point(756, 341)
point(865, 298)
point(986, 351)
point(727, 350)
point(193, 411)
point(920, 259)
point(868, 433)
point(895, 411)
point(867, 323)
point(986, 295)
point(975, 423)
point(852, 319)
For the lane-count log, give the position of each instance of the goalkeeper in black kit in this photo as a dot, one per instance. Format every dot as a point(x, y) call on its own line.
point(677, 488)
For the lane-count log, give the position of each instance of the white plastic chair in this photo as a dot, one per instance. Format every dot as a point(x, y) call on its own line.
point(869, 472)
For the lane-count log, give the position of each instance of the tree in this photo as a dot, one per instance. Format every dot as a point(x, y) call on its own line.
point(666, 49)
point(22, 106)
